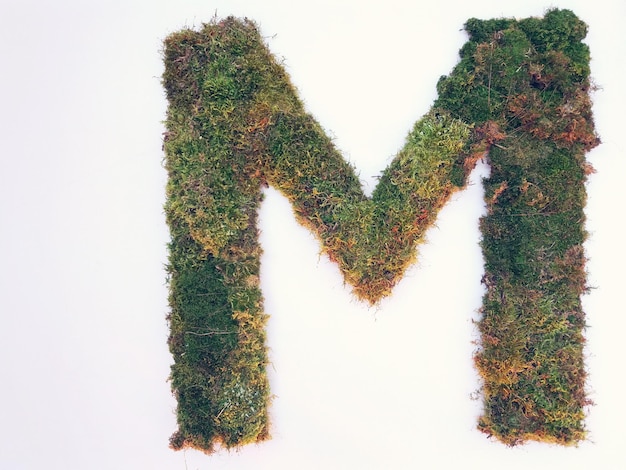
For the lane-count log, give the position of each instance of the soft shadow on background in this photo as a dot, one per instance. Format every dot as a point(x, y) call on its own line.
point(83, 295)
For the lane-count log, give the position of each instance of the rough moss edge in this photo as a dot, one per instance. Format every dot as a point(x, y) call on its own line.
point(235, 124)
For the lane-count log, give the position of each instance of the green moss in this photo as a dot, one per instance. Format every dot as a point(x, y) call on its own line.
point(235, 124)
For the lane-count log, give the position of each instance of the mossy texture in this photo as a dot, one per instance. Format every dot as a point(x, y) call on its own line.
point(235, 124)
point(529, 81)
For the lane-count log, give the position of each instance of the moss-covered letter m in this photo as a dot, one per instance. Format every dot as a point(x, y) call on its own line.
point(235, 124)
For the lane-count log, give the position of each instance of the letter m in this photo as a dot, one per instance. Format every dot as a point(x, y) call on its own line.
point(519, 96)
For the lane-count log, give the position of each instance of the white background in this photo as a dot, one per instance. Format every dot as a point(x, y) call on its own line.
point(83, 300)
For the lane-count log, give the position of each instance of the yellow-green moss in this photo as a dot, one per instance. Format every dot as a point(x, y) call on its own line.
point(235, 124)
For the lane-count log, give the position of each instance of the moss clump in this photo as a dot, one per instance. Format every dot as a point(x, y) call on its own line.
point(531, 80)
point(235, 124)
